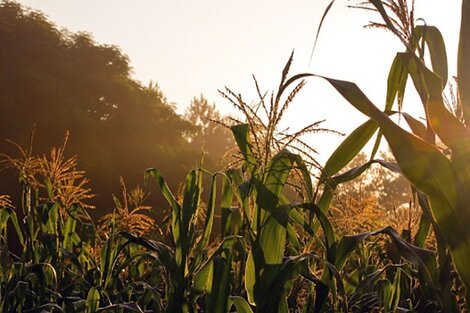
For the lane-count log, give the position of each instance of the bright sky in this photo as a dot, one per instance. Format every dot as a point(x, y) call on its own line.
point(200, 46)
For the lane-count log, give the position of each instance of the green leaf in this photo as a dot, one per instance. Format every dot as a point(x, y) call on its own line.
point(191, 198)
point(396, 83)
point(349, 148)
point(209, 216)
point(241, 190)
point(241, 133)
point(9, 214)
point(327, 196)
point(446, 126)
point(92, 300)
point(265, 259)
point(269, 190)
point(274, 300)
point(351, 174)
point(69, 231)
point(293, 239)
point(203, 273)
point(241, 305)
point(177, 227)
point(394, 300)
point(228, 226)
point(217, 299)
point(418, 128)
point(157, 176)
point(430, 171)
point(164, 253)
point(328, 231)
point(107, 256)
point(201, 278)
point(437, 50)
point(48, 217)
point(425, 221)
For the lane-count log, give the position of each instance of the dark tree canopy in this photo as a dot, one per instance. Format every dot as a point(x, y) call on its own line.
point(59, 81)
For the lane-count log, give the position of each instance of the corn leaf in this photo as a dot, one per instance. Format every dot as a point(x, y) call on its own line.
point(418, 128)
point(241, 133)
point(396, 83)
point(92, 300)
point(7, 214)
point(217, 299)
point(446, 126)
point(241, 305)
point(209, 215)
point(437, 50)
point(349, 148)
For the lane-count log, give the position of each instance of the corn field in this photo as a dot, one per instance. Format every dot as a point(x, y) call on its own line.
point(261, 237)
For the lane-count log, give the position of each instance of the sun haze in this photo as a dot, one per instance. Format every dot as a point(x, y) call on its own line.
point(194, 47)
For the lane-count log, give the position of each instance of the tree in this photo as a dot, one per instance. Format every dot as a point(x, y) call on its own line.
point(211, 136)
point(59, 81)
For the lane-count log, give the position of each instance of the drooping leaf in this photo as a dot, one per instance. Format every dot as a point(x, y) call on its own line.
point(446, 126)
point(241, 305)
point(437, 50)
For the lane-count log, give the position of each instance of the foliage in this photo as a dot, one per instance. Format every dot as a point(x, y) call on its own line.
point(58, 81)
point(434, 156)
point(267, 252)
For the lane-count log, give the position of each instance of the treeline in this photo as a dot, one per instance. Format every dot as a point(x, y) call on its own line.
point(56, 81)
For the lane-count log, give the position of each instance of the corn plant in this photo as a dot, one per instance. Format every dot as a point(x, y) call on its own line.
point(438, 168)
point(195, 274)
point(271, 250)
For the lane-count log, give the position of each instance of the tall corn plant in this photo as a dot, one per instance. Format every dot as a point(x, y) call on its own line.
point(276, 258)
point(441, 173)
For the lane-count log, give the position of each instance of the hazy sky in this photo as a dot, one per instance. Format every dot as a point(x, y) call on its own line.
point(200, 46)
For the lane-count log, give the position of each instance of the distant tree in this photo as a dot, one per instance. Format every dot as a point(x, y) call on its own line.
point(210, 135)
point(62, 81)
